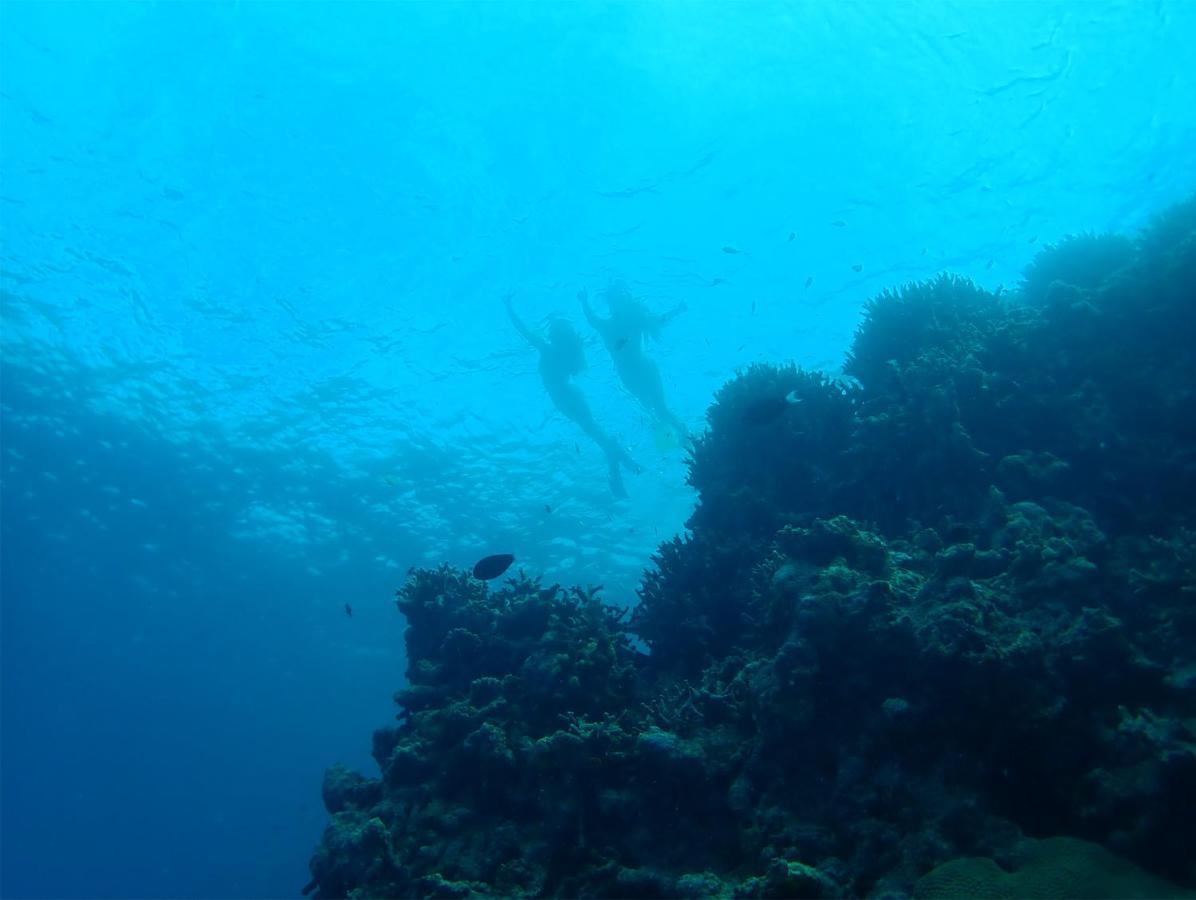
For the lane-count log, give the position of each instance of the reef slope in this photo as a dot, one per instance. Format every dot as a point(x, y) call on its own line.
point(932, 631)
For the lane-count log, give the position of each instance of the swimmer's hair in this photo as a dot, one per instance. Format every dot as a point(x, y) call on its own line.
point(618, 297)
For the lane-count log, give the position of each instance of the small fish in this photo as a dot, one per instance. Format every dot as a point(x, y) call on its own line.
point(767, 409)
point(1032, 240)
point(858, 267)
point(809, 281)
point(792, 235)
point(753, 307)
point(990, 264)
point(620, 343)
point(577, 447)
point(730, 249)
point(839, 223)
point(492, 566)
point(716, 281)
point(999, 291)
point(348, 610)
point(548, 509)
point(923, 253)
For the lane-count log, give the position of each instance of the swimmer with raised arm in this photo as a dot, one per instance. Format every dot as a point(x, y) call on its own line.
point(623, 333)
point(561, 357)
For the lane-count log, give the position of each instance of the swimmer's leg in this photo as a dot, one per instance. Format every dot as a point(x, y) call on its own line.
point(571, 403)
point(641, 377)
point(626, 460)
point(615, 480)
point(674, 422)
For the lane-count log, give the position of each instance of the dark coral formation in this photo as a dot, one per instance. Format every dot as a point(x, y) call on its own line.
point(1054, 867)
point(943, 611)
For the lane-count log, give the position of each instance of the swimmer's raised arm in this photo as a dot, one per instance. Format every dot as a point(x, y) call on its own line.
point(603, 326)
point(591, 316)
point(530, 336)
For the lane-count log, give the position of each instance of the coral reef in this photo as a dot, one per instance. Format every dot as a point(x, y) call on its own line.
point(932, 633)
point(1051, 868)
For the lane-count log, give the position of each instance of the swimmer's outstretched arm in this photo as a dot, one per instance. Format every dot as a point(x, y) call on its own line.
point(665, 318)
point(530, 336)
point(653, 323)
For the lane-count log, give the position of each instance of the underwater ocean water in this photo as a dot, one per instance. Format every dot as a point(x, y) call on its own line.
point(847, 346)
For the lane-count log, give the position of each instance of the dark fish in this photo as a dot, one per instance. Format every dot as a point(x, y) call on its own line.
point(839, 223)
point(753, 307)
point(577, 447)
point(716, 281)
point(857, 267)
point(729, 249)
point(990, 264)
point(620, 343)
point(809, 281)
point(923, 253)
point(348, 610)
point(547, 509)
point(792, 235)
point(492, 566)
point(1032, 240)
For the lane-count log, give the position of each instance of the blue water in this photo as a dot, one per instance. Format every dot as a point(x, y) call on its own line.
point(255, 364)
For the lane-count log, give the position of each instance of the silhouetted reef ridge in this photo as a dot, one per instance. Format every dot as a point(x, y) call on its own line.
point(932, 632)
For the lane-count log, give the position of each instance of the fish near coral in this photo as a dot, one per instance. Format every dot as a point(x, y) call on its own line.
point(765, 409)
point(492, 566)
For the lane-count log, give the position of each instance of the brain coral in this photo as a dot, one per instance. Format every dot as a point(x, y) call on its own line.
point(1054, 869)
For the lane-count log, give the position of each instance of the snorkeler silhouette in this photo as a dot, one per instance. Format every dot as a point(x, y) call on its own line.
point(561, 357)
point(623, 333)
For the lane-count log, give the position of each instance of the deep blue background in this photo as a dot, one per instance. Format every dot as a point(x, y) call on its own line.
point(170, 693)
point(254, 365)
